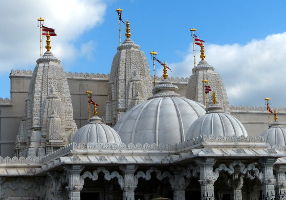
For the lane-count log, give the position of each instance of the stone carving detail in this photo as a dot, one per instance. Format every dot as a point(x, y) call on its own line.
point(107, 175)
point(20, 187)
point(54, 186)
point(159, 175)
point(250, 171)
point(75, 183)
point(268, 180)
point(130, 81)
point(281, 182)
point(48, 109)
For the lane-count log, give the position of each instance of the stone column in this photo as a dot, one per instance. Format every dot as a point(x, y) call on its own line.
point(207, 178)
point(130, 182)
point(281, 182)
point(75, 184)
point(179, 184)
point(268, 180)
point(237, 186)
point(1, 187)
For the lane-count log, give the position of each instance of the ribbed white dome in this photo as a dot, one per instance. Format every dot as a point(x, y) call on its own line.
point(216, 123)
point(96, 132)
point(163, 119)
point(275, 135)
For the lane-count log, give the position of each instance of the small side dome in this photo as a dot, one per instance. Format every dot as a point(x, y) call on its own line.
point(275, 135)
point(216, 123)
point(96, 132)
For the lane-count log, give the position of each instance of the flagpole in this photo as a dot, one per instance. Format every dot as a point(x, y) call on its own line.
point(153, 54)
point(194, 50)
point(119, 12)
point(41, 22)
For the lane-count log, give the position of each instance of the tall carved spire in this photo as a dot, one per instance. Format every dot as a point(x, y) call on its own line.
point(49, 115)
point(130, 80)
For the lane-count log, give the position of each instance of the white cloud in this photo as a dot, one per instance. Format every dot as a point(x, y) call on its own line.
point(250, 72)
point(87, 50)
point(19, 41)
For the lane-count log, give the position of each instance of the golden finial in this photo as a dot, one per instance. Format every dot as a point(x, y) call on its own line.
point(267, 99)
point(214, 98)
point(118, 10)
point(205, 81)
point(41, 19)
point(193, 29)
point(275, 115)
point(48, 41)
point(91, 102)
point(154, 53)
point(165, 71)
point(128, 33)
point(202, 56)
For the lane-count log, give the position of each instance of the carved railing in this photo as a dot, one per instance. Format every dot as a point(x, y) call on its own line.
point(254, 109)
point(21, 160)
point(21, 73)
point(97, 76)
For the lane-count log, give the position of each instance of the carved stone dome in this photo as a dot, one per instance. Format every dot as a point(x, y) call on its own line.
point(96, 132)
point(162, 119)
point(275, 135)
point(216, 123)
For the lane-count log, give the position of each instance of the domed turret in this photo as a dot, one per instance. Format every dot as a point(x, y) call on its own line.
point(162, 119)
point(96, 132)
point(216, 123)
point(275, 135)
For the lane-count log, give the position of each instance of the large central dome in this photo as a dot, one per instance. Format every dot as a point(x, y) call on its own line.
point(162, 119)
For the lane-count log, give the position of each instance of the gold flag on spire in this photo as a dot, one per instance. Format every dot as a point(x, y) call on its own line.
point(128, 31)
point(202, 56)
point(165, 71)
point(275, 115)
point(214, 98)
point(48, 32)
point(91, 102)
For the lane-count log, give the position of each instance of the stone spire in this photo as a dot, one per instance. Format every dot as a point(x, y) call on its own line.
point(130, 80)
point(195, 89)
point(49, 113)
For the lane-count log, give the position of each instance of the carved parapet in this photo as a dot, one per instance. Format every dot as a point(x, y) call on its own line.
point(90, 76)
point(178, 80)
point(254, 109)
point(5, 102)
point(20, 160)
point(21, 73)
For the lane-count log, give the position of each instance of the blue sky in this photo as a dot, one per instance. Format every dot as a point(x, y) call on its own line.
point(161, 25)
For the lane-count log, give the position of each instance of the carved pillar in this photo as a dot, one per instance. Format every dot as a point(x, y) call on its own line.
point(74, 182)
point(179, 185)
point(237, 186)
point(281, 182)
point(130, 182)
point(255, 194)
point(268, 180)
point(1, 187)
point(207, 178)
